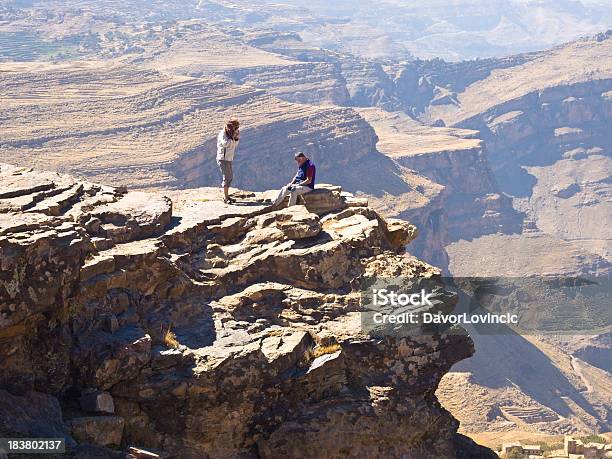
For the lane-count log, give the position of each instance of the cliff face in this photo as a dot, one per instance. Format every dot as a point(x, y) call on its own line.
point(204, 330)
point(550, 152)
point(455, 195)
point(545, 124)
point(310, 83)
point(472, 205)
point(122, 101)
point(334, 137)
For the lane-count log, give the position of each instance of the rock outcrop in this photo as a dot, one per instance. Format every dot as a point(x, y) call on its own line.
point(192, 328)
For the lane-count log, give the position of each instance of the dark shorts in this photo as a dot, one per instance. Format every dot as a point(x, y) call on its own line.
point(227, 171)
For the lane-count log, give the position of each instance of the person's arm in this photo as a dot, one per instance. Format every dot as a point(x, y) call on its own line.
point(306, 181)
point(222, 141)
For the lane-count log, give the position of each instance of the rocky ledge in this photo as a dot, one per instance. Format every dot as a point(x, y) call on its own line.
point(178, 325)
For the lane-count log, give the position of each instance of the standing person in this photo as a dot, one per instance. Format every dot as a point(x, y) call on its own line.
point(227, 143)
point(302, 183)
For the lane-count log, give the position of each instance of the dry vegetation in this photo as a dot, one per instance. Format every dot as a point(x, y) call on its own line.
point(318, 351)
point(169, 338)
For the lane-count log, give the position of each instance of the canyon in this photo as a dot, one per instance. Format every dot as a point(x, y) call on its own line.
point(502, 164)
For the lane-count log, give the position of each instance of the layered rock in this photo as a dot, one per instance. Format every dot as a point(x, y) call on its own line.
point(333, 137)
point(422, 83)
point(549, 150)
point(218, 330)
point(548, 143)
point(471, 201)
point(150, 118)
point(123, 124)
point(448, 170)
point(310, 83)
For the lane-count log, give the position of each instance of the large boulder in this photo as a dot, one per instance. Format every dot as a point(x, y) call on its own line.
point(213, 330)
point(97, 430)
point(33, 415)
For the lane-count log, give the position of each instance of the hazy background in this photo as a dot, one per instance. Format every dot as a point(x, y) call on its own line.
point(450, 29)
point(456, 29)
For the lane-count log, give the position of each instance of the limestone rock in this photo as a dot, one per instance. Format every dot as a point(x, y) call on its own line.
point(97, 402)
point(136, 215)
point(33, 414)
point(400, 232)
point(125, 355)
point(291, 223)
point(218, 330)
point(98, 430)
point(324, 199)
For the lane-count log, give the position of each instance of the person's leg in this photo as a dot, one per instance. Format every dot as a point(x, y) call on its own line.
point(298, 191)
point(222, 170)
point(228, 176)
point(283, 192)
point(230, 173)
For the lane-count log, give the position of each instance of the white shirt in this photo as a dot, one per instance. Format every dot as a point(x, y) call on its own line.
point(226, 147)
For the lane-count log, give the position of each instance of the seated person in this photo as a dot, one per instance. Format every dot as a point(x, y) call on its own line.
point(302, 183)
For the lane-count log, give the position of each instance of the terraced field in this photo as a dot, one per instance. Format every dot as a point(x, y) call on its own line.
point(23, 46)
point(529, 415)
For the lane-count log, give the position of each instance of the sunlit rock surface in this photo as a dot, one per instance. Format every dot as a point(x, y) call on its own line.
point(199, 329)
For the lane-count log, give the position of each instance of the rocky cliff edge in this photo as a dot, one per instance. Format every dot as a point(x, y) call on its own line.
point(196, 329)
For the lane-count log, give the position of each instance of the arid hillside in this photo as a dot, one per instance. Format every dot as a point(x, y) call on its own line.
point(118, 123)
point(549, 151)
point(502, 164)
